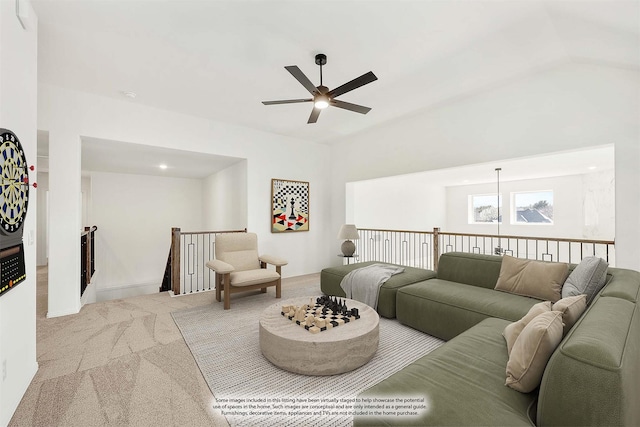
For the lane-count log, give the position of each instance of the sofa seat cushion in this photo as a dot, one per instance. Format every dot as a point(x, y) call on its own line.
point(253, 277)
point(445, 309)
point(330, 279)
point(462, 383)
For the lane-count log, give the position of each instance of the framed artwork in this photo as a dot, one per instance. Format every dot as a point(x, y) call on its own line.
point(289, 206)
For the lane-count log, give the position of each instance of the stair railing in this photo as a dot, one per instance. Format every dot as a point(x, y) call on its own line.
point(185, 271)
point(87, 257)
point(423, 248)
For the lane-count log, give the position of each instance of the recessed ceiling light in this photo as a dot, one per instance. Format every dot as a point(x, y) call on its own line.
point(592, 168)
point(129, 94)
point(163, 166)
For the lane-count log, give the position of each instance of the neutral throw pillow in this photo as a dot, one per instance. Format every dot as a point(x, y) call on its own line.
point(513, 330)
point(538, 279)
point(532, 351)
point(587, 278)
point(571, 308)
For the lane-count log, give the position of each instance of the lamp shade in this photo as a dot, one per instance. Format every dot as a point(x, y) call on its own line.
point(348, 232)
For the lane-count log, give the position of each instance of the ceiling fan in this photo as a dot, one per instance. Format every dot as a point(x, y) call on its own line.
point(322, 96)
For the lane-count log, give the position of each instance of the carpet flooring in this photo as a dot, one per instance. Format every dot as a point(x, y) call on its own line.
point(118, 363)
point(250, 391)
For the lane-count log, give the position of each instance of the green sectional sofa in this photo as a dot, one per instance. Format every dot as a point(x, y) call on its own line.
point(592, 378)
point(330, 279)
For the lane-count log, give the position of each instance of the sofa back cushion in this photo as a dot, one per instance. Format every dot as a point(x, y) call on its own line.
point(470, 269)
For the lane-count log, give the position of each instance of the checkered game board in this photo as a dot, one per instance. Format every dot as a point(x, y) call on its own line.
point(319, 322)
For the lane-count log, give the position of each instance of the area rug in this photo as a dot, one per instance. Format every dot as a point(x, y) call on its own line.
point(250, 391)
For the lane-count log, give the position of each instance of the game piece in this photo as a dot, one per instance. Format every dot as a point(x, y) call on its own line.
point(328, 312)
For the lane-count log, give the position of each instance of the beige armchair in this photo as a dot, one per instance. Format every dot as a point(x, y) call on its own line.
point(238, 267)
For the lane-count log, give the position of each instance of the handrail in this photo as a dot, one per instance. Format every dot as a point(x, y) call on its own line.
point(555, 239)
point(88, 230)
point(502, 236)
point(423, 248)
point(186, 233)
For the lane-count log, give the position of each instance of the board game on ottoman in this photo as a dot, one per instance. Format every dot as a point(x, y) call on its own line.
point(330, 279)
point(346, 340)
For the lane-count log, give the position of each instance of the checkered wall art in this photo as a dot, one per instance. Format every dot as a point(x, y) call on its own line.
point(289, 205)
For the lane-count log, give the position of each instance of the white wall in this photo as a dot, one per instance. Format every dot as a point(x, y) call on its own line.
point(598, 205)
point(43, 188)
point(18, 108)
point(41, 238)
point(128, 121)
point(569, 107)
point(65, 222)
point(134, 215)
point(404, 202)
point(570, 194)
point(628, 198)
point(224, 199)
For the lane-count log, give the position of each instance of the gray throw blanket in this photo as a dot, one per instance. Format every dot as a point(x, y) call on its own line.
point(363, 284)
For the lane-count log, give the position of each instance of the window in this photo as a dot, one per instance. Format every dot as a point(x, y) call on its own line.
point(533, 207)
point(483, 208)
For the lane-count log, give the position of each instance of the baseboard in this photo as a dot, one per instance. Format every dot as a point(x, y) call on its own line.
point(126, 291)
point(51, 314)
point(171, 294)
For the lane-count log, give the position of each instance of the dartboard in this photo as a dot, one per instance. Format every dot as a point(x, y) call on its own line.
point(14, 194)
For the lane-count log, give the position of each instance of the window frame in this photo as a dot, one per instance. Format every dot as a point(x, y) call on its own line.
point(471, 209)
point(514, 208)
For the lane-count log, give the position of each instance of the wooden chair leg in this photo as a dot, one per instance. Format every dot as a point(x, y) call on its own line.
point(278, 288)
point(263, 265)
point(227, 292)
point(218, 286)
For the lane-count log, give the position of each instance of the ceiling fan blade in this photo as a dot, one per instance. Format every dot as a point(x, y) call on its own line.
point(299, 75)
point(314, 115)
point(353, 84)
point(349, 106)
point(286, 101)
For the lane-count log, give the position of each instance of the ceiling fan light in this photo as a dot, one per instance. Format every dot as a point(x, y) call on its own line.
point(321, 102)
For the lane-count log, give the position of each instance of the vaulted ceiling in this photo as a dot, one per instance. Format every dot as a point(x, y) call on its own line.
point(220, 59)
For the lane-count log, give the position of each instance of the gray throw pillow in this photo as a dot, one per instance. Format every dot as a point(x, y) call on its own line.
point(587, 278)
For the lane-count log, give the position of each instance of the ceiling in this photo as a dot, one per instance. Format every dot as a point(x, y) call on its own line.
point(100, 155)
point(220, 59)
point(574, 162)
